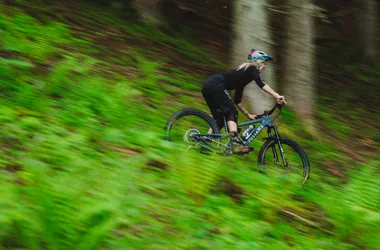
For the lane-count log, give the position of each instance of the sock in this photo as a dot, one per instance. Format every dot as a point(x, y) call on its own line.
point(235, 137)
point(234, 133)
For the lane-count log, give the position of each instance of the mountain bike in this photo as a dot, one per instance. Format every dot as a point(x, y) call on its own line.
point(191, 127)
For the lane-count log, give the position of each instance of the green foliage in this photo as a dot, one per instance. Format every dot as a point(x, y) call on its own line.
point(178, 78)
point(83, 164)
point(23, 34)
point(332, 122)
point(173, 41)
point(197, 172)
point(56, 213)
point(357, 217)
point(364, 190)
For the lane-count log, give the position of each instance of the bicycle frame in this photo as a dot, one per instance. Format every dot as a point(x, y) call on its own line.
point(265, 122)
point(225, 143)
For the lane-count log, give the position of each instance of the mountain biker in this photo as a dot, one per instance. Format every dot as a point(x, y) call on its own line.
point(215, 92)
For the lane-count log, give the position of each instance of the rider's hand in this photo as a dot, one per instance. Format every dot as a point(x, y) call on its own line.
point(281, 100)
point(251, 116)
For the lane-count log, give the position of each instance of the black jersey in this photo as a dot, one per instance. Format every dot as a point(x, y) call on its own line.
point(238, 79)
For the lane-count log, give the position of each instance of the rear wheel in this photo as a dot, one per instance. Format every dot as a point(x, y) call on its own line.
point(292, 162)
point(184, 124)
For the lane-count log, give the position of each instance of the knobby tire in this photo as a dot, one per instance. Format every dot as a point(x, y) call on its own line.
point(266, 148)
point(189, 112)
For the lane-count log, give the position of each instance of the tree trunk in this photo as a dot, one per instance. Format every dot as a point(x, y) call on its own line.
point(150, 10)
point(368, 14)
point(299, 61)
point(252, 31)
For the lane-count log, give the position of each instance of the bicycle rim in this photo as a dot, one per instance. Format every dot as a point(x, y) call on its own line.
point(183, 126)
point(293, 166)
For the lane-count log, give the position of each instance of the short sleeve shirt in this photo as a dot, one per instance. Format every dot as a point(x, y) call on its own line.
point(238, 79)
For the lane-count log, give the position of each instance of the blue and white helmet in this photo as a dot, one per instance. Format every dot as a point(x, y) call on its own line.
point(258, 54)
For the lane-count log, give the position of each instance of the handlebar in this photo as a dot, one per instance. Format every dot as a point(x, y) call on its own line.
point(269, 112)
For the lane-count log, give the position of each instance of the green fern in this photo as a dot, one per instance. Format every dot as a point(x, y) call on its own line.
point(355, 207)
point(57, 213)
point(364, 189)
point(24, 34)
point(198, 172)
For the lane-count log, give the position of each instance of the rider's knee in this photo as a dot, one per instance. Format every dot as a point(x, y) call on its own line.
point(232, 116)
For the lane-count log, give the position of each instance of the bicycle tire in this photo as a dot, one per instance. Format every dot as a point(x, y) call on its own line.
point(189, 112)
point(272, 142)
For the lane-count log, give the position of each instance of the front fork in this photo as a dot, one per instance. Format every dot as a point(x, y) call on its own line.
point(277, 138)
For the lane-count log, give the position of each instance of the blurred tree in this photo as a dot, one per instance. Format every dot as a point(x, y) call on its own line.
point(150, 10)
point(252, 31)
point(299, 77)
point(368, 29)
point(120, 4)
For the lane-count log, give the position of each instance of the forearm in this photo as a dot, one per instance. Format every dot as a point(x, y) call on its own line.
point(242, 109)
point(270, 91)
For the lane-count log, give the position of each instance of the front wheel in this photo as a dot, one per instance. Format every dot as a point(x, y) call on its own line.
point(292, 160)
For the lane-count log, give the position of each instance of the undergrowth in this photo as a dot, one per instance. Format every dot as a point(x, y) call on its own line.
point(83, 163)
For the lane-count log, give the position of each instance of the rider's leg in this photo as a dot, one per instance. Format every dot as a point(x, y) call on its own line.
point(219, 122)
point(232, 117)
point(232, 126)
point(238, 146)
point(209, 90)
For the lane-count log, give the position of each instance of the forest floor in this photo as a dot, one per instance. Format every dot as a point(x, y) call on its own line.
point(87, 90)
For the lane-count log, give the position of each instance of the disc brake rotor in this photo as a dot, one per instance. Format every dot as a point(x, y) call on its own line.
point(189, 136)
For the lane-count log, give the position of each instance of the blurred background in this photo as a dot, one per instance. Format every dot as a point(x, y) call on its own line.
point(86, 88)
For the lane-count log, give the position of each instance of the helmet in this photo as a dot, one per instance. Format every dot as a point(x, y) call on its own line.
point(258, 54)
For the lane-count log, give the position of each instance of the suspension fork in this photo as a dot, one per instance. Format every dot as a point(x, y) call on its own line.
point(277, 137)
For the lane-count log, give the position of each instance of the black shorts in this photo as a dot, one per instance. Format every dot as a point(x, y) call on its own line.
point(219, 100)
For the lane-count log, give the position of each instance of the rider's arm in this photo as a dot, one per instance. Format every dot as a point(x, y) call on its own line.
point(237, 100)
point(245, 112)
point(261, 83)
point(280, 99)
point(270, 91)
point(242, 109)
point(238, 95)
point(257, 77)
